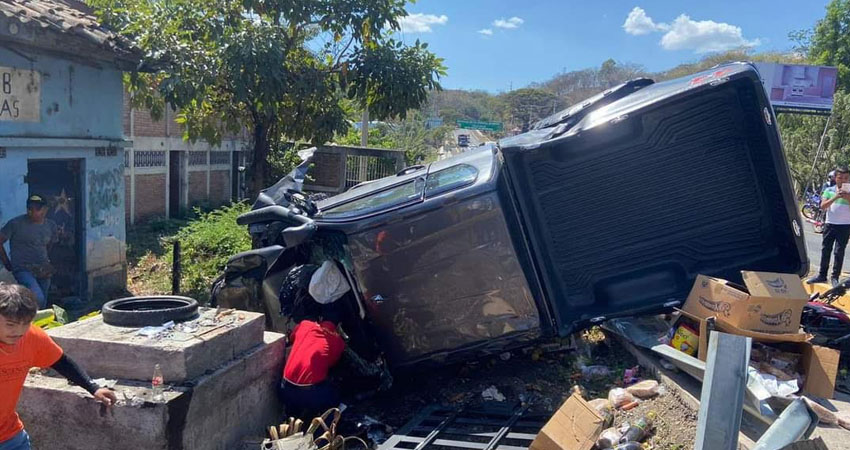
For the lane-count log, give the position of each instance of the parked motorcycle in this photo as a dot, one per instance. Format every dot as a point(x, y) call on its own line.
point(811, 208)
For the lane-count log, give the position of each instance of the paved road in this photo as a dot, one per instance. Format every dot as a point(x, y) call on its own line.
point(813, 245)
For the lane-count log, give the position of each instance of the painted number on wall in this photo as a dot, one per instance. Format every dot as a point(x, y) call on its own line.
point(20, 95)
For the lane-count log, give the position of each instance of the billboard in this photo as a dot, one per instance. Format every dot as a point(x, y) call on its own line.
point(793, 86)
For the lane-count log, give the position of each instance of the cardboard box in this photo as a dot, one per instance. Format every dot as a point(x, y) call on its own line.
point(575, 426)
point(771, 302)
point(818, 364)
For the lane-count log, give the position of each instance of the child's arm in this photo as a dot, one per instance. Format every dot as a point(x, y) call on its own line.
point(69, 369)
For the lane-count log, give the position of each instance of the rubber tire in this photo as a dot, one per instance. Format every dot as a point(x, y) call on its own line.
point(115, 312)
point(809, 212)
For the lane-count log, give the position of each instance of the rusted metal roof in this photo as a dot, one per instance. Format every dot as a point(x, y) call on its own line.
point(64, 26)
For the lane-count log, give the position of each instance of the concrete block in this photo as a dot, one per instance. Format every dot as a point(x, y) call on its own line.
point(214, 412)
point(120, 353)
point(58, 415)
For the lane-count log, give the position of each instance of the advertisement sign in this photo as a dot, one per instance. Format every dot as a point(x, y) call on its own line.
point(20, 95)
point(792, 86)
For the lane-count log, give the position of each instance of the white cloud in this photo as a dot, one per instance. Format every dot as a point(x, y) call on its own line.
point(638, 23)
point(704, 36)
point(513, 22)
point(486, 32)
point(421, 23)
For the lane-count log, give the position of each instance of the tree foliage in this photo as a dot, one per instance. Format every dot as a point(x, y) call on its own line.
point(829, 41)
point(276, 67)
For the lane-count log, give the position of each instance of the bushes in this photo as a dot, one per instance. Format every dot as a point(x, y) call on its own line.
point(206, 244)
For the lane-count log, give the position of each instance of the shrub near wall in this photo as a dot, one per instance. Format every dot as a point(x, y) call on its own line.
point(206, 244)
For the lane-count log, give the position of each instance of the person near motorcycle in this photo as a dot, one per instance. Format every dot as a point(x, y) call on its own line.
point(830, 181)
point(836, 202)
point(317, 345)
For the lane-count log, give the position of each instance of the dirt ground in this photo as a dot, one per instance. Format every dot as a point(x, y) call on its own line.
point(543, 379)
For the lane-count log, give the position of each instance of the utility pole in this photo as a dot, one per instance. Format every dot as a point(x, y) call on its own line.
point(364, 127)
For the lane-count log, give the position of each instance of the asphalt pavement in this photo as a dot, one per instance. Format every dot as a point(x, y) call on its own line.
point(813, 245)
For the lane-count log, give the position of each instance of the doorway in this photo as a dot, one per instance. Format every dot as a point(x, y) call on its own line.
point(60, 183)
point(174, 169)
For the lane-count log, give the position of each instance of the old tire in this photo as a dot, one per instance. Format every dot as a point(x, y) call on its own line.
point(151, 310)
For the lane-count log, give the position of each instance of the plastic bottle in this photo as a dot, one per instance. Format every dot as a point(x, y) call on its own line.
point(156, 384)
point(640, 429)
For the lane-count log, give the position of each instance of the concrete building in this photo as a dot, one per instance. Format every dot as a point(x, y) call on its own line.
point(61, 136)
point(166, 175)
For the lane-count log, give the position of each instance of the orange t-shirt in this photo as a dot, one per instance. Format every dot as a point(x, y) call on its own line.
point(35, 349)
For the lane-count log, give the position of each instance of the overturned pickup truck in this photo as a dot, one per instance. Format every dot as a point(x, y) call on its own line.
point(609, 208)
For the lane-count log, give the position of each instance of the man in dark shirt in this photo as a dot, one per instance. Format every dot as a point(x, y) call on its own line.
point(29, 236)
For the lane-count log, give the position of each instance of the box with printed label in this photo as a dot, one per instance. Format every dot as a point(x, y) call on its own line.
point(770, 302)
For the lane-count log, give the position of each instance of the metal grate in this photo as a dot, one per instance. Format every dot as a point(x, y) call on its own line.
point(197, 158)
point(219, 158)
point(149, 158)
point(360, 168)
point(488, 427)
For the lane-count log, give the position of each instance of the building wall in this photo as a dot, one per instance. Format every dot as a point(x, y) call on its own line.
point(76, 100)
point(205, 174)
point(220, 186)
point(80, 116)
point(150, 197)
point(197, 188)
point(103, 208)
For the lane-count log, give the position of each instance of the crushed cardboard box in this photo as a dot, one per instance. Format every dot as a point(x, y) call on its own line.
point(574, 426)
point(770, 302)
point(819, 365)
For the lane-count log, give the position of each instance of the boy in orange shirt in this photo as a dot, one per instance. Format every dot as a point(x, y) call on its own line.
point(22, 347)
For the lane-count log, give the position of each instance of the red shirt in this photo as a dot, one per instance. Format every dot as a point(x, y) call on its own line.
point(316, 347)
point(35, 349)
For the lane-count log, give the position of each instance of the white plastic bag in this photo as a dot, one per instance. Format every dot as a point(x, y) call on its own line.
point(328, 284)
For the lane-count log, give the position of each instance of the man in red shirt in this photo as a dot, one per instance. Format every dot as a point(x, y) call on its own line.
point(22, 347)
point(305, 388)
point(317, 345)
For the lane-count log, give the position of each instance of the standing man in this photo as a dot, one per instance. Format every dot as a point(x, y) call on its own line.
point(836, 231)
point(29, 236)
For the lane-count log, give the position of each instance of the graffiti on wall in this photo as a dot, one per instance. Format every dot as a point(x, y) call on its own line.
point(105, 195)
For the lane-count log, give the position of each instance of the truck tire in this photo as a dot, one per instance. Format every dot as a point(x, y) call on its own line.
point(151, 310)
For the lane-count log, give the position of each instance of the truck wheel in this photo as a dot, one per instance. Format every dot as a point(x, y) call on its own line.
point(149, 310)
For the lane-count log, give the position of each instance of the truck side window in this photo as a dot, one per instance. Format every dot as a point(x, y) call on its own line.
point(386, 199)
point(450, 178)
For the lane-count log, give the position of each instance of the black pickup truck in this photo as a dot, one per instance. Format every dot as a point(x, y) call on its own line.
point(609, 208)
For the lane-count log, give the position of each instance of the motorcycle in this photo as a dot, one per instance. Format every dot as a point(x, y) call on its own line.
point(811, 208)
point(273, 277)
point(813, 213)
point(829, 325)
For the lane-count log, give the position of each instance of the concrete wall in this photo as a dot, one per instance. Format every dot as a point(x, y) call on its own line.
point(102, 206)
point(80, 111)
point(76, 100)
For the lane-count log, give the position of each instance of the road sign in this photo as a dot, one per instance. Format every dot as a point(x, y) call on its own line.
point(473, 125)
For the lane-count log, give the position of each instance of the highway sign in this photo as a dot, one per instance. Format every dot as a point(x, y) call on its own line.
point(474, 125)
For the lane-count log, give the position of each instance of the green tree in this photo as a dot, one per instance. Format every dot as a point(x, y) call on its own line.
point(279, 68)
point(829, 42)
point(801, 135)
point(528, 105)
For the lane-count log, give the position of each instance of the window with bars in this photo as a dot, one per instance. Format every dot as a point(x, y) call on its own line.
point(197, 158)
point(219, 158)
point(149, 158)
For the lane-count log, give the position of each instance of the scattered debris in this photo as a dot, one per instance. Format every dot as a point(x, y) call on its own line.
point(595, 372)
point(620, 397)
point(105, 383)
point(491, 393)
point(644, 389)
point(155, 331)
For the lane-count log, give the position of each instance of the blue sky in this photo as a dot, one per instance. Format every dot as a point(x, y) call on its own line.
point(495, 44)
